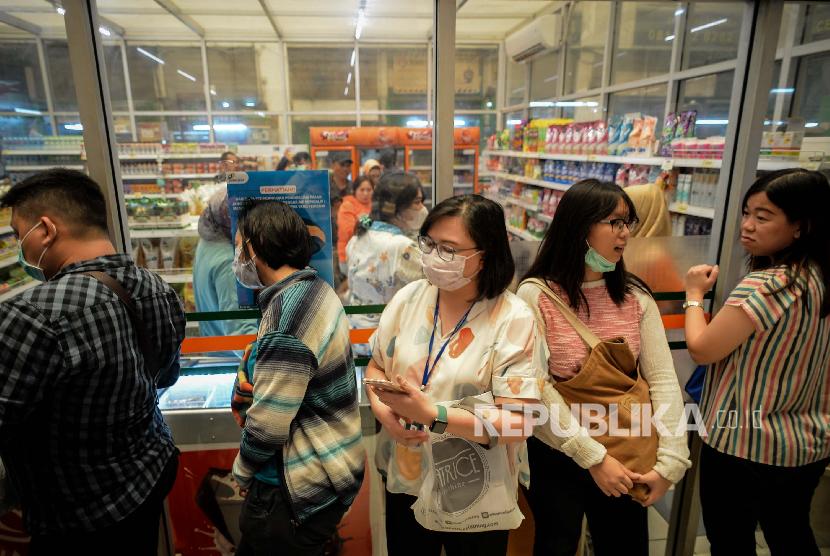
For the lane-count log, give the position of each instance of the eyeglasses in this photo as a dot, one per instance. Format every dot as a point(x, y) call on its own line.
point(445, 252)
point(617, 224)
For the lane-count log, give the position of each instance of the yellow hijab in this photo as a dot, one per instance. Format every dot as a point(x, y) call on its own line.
point(651, 209)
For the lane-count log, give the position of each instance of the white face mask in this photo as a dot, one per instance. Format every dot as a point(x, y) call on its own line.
point(446, 275)
point(245, 271)
point(413, 218)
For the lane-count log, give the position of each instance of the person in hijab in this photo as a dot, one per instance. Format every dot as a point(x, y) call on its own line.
point(373, 170)
point(651, 208)
point(214, 283)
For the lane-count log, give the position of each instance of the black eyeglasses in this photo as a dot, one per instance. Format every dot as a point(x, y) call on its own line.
point(617, 224)
point(445, 252)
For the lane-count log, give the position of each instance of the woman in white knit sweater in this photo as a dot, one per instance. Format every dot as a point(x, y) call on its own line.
point(571, 473)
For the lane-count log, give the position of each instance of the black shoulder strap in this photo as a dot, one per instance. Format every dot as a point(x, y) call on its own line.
point(151, 361)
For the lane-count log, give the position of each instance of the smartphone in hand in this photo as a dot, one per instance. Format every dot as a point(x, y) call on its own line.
point(382, 384)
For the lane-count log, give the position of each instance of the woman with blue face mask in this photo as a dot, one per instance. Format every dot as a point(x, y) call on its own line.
point(455, 334)
point(572, 475)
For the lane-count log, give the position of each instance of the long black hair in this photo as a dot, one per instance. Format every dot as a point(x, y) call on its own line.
point(484, 220)
point(803, 196)
point(561, 257)
point(395, 192)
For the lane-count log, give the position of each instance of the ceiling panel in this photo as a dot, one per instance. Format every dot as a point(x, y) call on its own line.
point(136, 6)
point(219, 6)
point(51, 22)
point(397, 28)
point(160, 26)
point(484, 28)
point(316, 27)
point(8, 30)
point(239, 26)
point(313, 7)
point(510, 8)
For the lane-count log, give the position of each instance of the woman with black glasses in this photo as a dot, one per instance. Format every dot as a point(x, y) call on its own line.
point(458, 333)
point(572, 475)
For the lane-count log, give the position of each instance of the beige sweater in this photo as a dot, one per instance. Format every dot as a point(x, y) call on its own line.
point(656, 366)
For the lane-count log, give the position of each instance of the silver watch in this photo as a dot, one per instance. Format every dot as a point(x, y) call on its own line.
point(687, 304)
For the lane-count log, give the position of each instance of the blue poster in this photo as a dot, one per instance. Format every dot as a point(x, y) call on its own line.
point(307, 192)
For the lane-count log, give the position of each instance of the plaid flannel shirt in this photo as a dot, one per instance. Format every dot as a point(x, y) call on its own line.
point(81, 434)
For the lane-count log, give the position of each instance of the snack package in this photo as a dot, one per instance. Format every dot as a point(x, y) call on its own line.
point(577, 146)
point(614, 134)
point(647, 135)
point(633, 140)
point(531, 139)
point(601, 138)
point(167, 247)
point(686, 126)
point(151, 254)
point(621, 178)
point(567, 143)
point(622, 139)
point(669, 129)
point(589, 138)
point(136, 252)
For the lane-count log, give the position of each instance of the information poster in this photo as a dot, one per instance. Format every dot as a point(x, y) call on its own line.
point(307, 192)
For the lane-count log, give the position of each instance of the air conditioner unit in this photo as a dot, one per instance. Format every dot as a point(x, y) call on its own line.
point(540, 35)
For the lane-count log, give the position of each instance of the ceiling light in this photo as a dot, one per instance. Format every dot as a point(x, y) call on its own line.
point(513, 122)
point(811, 124)
point(346, 91)
point(457, 122)
point(250, 103)
point(186, 75)
point(353, 55)
point(417, 123)
point(226, 104)
point(74, 127)
point(707, 25)
point(782, 91)
point(60, 10)
point(542, 104)
point(349, 79)
point(104, 31)
point(669, 38)
point(151, 56)
point(679, 12)
point(28, 111)
point(213, 91)
point(361, 21)
point(712, 122)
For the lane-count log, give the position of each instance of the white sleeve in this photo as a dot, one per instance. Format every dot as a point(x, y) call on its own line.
point(561, 430)
point(657, 368)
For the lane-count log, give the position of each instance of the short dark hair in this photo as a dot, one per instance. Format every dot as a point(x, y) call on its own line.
point(227, 154)
point(70, 194)
point(561, 257)
point(394, 192)
point(388, 158)
point(277, 233)
point(301, 157)
point(484, 220)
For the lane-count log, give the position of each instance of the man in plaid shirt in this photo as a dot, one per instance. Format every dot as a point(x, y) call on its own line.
point(81, 434)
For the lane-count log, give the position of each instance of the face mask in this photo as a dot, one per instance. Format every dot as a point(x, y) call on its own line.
point(245, 271)
point(300, 167)
point(413, 219)
point(446, 275)
point(35, 271)
point(597, 262)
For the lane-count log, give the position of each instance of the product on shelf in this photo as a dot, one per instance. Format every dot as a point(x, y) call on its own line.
point(782, 143)
point(669, 129)
point(8, 246)
point(45, 143)
point(157, 212)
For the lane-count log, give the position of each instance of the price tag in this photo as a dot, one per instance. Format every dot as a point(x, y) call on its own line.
point(708, 163)
point(668, 164)
point(469, 151)
point(592, 158)
point(681, 207)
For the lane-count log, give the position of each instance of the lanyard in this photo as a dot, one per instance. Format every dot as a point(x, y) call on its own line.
point(427, 369)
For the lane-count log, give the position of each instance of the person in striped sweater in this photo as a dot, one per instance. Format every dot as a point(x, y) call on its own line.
point(765, 402)
point(301, 457)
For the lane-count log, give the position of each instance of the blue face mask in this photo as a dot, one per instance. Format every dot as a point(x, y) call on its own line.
point(35, 271)
point(597, 262)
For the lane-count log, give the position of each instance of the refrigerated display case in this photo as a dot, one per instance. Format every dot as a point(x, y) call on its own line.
point(418, 149)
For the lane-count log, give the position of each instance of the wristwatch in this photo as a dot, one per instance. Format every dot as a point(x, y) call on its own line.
point(439, 424)
point(687, 304)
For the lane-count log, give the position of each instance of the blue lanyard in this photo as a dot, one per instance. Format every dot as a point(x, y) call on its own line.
point(427, 369)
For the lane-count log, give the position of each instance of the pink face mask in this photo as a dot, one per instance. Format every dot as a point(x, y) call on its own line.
point(446, 275)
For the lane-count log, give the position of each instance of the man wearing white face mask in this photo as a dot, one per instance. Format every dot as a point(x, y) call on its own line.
point(382, 255)
point(83, 356)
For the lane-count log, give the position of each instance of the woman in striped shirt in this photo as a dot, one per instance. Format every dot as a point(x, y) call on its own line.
point(765, 400)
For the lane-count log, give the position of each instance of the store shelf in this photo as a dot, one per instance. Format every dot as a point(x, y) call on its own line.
point(464, 167)
point(145, 233)
point(522, 203)
point(510, 200)
point(18, 290)
point(162, 156)
point(524, 234)
point(180, 278)
point(41, 152)
point(8, 261)
point(140, 176)
point(530, 181)
point(166, 176)
point(682, 208)
point(420, 168)
point(37, 167)
point(763, 164)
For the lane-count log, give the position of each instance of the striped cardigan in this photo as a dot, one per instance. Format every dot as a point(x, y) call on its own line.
point(303, 427)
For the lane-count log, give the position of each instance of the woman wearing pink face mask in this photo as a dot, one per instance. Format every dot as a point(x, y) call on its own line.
point(458, 333)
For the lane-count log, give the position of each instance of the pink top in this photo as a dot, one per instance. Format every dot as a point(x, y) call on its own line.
point(607, 320)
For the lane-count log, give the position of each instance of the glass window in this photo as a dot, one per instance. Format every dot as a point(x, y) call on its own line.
point(583, 109)
point(513, 119)
point(775, 92)
point(544, 76)
point(24, 126)
point(233, 77)
point(165, 77)
point(70, 125)
point(650, 101)
point(516, 83)
point(20, 75)
point(259, 129)
point(817, 23)
point(172, 129)
point(63, 86)
point(643, 40)
point(710, 96)
point(322, 79)
point(300, 125)
point(476, 78)
point(586, 38)
point(811, 98)
point(114, 63)
point(393, 78)
point(712, 33)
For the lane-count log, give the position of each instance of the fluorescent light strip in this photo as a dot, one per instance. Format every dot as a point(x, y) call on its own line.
point(353, 55)
point(811, 124)
point(104, 31)
point(669, 38)
point(226, 104)
point(782, 91)
point(250, 104)
point(60, 10)
point(151, 56)
point(712, 122)
point(28, 111)
point(349, 79)
point(707, 25)
point(678, 12)
point(513, 122)
point(74, 127)
point(361, 21)
point(221, 127)
point(346, 91)
point(186, 75)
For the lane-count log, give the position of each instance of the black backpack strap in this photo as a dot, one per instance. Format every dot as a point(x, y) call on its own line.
point(151, 361)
